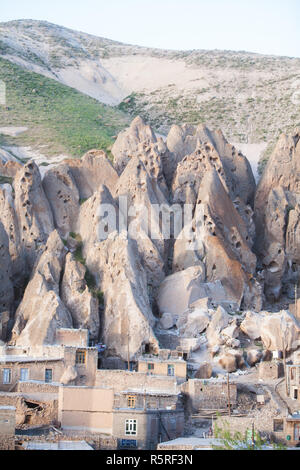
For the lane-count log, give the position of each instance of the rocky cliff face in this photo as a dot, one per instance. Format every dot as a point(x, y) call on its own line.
point(276, 215)
point(96, 246)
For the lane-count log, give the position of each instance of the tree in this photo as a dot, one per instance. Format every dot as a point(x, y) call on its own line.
point(250, 440)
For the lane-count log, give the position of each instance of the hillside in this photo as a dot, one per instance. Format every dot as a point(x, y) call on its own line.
point(58, 119)
point(249, 96)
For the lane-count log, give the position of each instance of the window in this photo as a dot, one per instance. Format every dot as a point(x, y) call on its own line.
point(293, 373)
point(6, 376)
point(80, 356)
point(131, 401)
point(150, 366)
point(48, 375)
point(171, 370)
point(278, 425)
point(24, 375)
point(131, 427)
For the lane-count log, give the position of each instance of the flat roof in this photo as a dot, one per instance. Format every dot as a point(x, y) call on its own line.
point(192, 441)
point(23, 359)
point(62, 445)
point(149, 392)
point(7, 408)
point(157, 359)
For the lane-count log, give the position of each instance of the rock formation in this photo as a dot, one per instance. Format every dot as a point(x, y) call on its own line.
point(91, 171)
point(127, 144)
point(33, 210)
point(158, 247)
point(6, 287)
point(127, 320)
point(277, 214)
point(78, 299)
point(42, 311)
point(63, 196)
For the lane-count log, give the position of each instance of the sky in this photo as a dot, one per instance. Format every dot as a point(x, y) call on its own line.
point(263, 26)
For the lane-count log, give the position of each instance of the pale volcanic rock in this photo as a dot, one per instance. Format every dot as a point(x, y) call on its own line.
point(176, 292)
point(127, 143)
point(237, 169)
point(127, 311)
point(41, 311)
point(167, 321)
point(251, 325)
point(217, 238)
point(142, 198)
point(254, 356)
point(34, 214)
point(277, 330)
point(76, 296)
point(191, 171)
point(63, 196)
point(41, 329)
point(220, 320)
point(91, 171)
point(153, 155)
point(9, 219)
point(232, 331)
point(9, 165)
point(195, 150)
point(193, 322)
point(180, 142)
point(280, 331)
point(92, 224)
point(6, 288)
point(276, 215)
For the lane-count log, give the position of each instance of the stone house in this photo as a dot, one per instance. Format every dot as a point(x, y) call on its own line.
point(69, 362)
point(209, 394)
point(270, 370)
point(293, 381)
point(138, 419)
point(292, 429)
point(7, 427)
point(280, 429)
point(168, 366)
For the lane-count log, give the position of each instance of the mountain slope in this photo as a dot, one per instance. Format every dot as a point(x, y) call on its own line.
point(249, 96)
point(59, 119)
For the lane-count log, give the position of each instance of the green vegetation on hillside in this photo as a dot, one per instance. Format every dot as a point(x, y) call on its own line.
point(59, 118)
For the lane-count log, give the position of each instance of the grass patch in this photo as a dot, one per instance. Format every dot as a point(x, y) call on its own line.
point(58, 117)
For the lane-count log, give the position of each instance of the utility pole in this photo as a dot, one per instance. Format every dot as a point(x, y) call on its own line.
point(228, 392)
point(296, 303)
point(253, 436)
point(284, 331)
point(128, 353)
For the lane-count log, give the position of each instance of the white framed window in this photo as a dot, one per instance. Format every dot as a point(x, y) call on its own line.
point(24, 375)
point(6, 376)
point(131, 427)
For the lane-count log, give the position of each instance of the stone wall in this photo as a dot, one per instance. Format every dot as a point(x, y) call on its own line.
point(123, 380)
point(7, 442)
point(263, 424)
point(37, 387)
point(68, 337)
point(86, 408)
point(270, 370)
point(160, 367)
point(152, 427)
point(7, 420)
point(207, 394)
